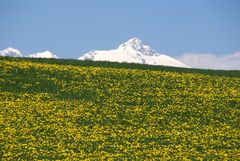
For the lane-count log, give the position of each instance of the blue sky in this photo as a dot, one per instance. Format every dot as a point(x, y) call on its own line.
point(70, 28)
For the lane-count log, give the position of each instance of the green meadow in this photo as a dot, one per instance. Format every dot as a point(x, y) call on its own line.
point(56, 109)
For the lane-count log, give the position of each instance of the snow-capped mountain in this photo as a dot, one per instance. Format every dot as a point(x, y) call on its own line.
point(11, 52)
point(45, 54)
point(132, 51)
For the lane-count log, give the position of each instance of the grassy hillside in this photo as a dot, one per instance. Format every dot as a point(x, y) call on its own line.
point(74, 110)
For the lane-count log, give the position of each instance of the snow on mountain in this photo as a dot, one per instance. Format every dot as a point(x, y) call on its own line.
point(45, 54)
point(132, 51)
point(11, 52)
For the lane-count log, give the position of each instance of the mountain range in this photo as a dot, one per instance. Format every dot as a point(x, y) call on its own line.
point(132, 51)
point(11, 52)
point(45, 54)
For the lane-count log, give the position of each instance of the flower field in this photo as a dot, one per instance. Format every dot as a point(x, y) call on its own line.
point(54, 111)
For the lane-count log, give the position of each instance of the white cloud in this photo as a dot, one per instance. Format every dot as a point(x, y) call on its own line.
point(211, 61)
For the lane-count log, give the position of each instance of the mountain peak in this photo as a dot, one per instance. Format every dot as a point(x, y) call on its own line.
point(10, 49)
point(134, 42)
point(11, 52)
point(132, 51)
point(135, 45)
point(45, 54)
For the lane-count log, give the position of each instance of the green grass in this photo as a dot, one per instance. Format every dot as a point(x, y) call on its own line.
point(87, 63)
point(56, 109)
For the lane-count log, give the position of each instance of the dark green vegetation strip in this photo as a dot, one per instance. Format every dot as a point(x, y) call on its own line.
point(87, 63)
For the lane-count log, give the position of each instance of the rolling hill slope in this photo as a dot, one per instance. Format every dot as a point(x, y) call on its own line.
point(70, 109)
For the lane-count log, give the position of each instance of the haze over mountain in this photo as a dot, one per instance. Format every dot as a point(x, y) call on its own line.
point(133, 51)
